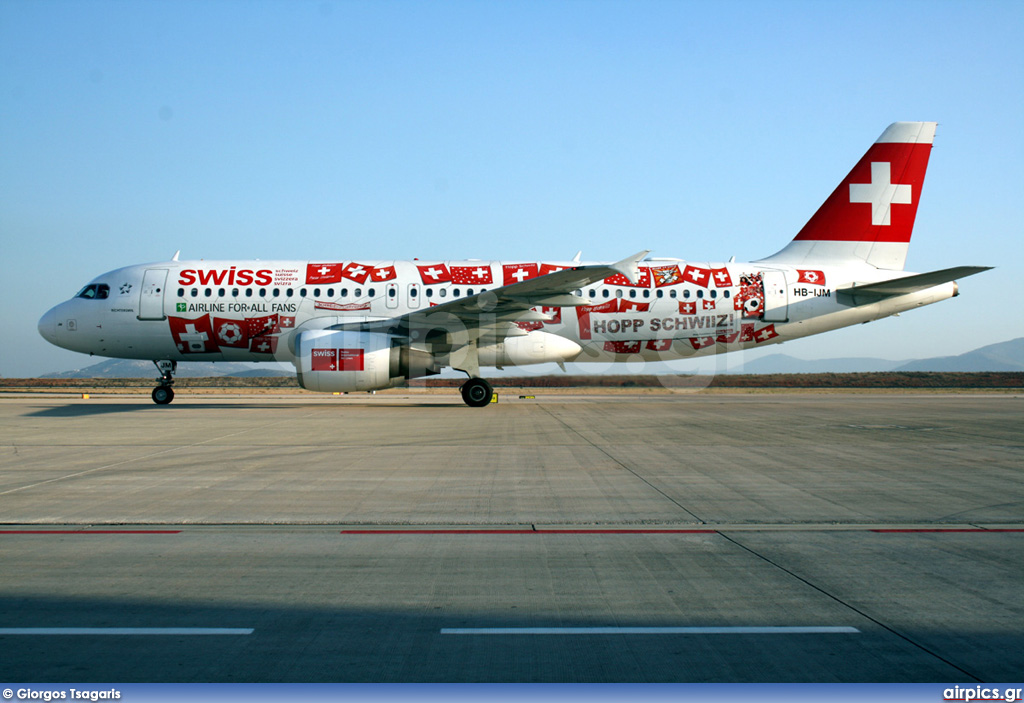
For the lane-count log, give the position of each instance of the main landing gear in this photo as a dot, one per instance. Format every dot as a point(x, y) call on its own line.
point(164, 394)
point(476, 392)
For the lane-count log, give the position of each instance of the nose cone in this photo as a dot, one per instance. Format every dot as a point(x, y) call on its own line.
point(48, 326)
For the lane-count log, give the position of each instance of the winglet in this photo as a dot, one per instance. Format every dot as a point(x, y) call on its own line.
point(630, 266)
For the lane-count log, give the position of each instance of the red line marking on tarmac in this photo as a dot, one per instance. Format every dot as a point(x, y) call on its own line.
point(90, 532)
point(971, 529)
point(527, 532)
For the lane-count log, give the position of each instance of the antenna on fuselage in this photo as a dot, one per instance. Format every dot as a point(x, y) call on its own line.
point(176, 255)
point(576, 259)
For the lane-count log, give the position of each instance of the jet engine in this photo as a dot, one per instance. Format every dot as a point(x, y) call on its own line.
point(342, 361)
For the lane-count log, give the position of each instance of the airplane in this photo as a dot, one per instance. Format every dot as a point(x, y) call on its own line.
point(366, 325)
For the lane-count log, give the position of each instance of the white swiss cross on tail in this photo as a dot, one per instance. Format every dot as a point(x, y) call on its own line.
point(880, 193)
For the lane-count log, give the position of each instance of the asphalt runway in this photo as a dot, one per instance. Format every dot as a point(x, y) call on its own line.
point(648, 537)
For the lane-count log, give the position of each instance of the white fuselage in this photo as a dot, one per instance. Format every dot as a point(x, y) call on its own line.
point(252, 310)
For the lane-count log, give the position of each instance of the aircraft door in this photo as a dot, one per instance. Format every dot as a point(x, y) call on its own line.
point(151, 301)
point(776, 297)
point(391, 295)
point(414, 295)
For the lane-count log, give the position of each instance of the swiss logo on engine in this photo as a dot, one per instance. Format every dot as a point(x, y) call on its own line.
point(324, 360)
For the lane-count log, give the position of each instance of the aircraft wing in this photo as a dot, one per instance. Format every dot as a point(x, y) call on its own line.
point(873, 292)
point(507, 304)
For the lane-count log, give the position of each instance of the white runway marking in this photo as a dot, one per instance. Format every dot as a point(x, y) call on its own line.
point(739, 630)
point(124, 630)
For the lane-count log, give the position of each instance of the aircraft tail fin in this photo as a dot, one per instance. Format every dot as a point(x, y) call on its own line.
point(870, 216)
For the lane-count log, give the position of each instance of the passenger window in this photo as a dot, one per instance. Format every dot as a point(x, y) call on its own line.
point(391, 292)
point(181, 292)
point(672, 293)
point(725, 294)
point(700, 294)
point(316, 292)
point(277, 292)
point(263, 292)
point(234, 292)
point(632, 294)
point(195, 292)
point(618, 293)
point(357, 293)
point(686, 293)
point(430, 292)
point(442, 292)
point(344, 292)
point(469, 291)
point(593, 293)
point(302, 292)
point(661, 294)
point(289, 292)
point(220, 293)
point(647, 294)
point(455, 293)
point(207, 292)
point(604, 293)
point(714, 294)
point(371, 292)
point(248, 292)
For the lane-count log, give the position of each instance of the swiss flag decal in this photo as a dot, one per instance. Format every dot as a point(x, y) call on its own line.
point(472, 275)
point(659, 344)
point(383, 273)
point(687, 308)
point(695, 274)
point(263, 345)
point(356, 272)
point(434, 273)
point(193, 336)
point(721, 277)
point(323, 273)
point(623, 347)
point(517, 273)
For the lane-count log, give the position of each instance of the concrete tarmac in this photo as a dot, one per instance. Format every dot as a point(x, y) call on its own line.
point(401, 537)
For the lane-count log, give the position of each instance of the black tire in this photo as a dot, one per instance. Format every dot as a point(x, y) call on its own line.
point(476, 393)
point(162, 395)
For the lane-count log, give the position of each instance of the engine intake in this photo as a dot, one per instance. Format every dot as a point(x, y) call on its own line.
point(347, 361)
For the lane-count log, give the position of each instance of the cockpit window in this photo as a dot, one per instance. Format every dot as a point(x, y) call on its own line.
point(97, 291)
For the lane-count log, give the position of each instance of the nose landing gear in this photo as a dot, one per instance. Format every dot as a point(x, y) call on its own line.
point(164, 394)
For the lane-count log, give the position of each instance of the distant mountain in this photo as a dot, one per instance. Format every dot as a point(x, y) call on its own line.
point(783, 363)
point(1004, 356)
point(132, 368)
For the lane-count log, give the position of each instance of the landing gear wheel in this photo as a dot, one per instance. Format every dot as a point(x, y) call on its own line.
point(162, 395)
point(476, 392)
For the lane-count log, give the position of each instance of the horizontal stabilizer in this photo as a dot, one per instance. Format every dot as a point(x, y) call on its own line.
point(872, 292)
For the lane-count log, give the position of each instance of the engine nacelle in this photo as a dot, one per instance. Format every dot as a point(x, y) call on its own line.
point(531, 348)
point(344, 361)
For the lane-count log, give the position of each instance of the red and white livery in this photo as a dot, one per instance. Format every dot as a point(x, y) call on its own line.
point(366, 325)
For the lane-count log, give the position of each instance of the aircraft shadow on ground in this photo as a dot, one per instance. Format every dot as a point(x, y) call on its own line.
point(85, 410)
point(295, 644)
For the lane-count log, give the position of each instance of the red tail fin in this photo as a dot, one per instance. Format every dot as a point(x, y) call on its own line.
point(870, 216)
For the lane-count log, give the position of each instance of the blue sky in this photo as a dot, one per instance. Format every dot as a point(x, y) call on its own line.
point(506, 130)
